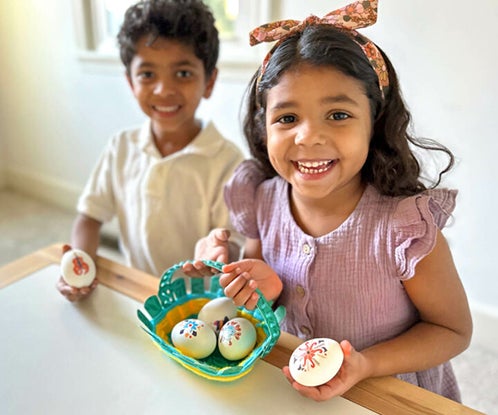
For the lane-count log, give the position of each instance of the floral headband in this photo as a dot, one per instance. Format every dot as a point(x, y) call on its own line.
point(354, 16)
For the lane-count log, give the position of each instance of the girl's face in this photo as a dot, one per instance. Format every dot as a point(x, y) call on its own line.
point(319, 126)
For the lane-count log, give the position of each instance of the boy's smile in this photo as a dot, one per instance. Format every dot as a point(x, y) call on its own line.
point(169, 81)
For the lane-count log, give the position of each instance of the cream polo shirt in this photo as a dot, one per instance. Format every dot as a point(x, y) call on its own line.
point(163, 204)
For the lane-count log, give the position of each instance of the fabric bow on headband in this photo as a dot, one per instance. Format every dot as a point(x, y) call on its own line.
point(354, 16)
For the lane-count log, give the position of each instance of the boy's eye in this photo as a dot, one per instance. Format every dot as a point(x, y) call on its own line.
point(145, 75)
point(338, 116)
point(184, 74)
point(286, 119)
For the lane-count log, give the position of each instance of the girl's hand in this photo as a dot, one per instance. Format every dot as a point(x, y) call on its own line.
point(240, 280)
point(354, 369)
point(73, 293)
point(214, 247)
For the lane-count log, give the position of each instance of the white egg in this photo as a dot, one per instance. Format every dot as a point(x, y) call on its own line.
point(78, 268)
point(316, 361)
point(194, 338)
point(236, 339)
point(217, 312)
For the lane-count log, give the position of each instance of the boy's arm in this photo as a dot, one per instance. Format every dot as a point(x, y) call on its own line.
point(85, 234)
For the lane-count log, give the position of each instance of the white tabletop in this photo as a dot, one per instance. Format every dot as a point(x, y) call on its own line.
point(92, 357)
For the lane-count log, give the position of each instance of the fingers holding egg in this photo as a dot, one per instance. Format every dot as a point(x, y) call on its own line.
point(316, 361)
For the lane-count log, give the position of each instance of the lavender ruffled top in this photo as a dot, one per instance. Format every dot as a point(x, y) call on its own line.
point(346, 284)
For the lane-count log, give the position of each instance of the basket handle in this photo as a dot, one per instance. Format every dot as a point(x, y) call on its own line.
point(168, 274)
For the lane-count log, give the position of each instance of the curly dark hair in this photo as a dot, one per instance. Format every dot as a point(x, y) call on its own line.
point(391, 166)
point(188, 21)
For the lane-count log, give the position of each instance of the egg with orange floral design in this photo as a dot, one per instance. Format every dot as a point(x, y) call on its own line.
point(194, 338)
point(316, 361)
point(78, 268)
point(237, 338)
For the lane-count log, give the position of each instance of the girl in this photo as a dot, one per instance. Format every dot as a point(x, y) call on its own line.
point(340, 228)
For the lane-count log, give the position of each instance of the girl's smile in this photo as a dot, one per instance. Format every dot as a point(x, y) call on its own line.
point(314, 168)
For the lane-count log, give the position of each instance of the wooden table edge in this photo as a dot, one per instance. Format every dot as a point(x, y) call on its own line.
point(386, 395)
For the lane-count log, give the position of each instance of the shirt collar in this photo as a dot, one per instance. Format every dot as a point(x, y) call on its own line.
point(206, 143)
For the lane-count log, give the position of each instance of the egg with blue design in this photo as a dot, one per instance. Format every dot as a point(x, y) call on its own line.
point(237, 338)
point(194, 338)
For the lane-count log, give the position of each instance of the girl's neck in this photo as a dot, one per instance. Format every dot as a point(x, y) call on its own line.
point(318, 217)
point(169, 142)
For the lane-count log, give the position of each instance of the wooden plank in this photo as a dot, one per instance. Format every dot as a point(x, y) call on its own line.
point(22, 267)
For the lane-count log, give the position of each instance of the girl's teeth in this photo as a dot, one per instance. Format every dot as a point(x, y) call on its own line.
point(313, 167)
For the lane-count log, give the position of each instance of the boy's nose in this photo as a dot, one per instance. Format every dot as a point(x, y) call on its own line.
point(164, 89)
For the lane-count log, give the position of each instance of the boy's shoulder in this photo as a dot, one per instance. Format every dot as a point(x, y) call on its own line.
point(132, 133)
point(213, 140)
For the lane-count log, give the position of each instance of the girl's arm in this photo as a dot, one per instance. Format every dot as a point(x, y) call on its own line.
point(444, 331)
point(445, 328)
point(85, 236)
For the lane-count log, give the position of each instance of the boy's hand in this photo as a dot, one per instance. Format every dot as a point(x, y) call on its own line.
point(214, 247)
point(240, 280)
point(352, 371)
point(73, 293)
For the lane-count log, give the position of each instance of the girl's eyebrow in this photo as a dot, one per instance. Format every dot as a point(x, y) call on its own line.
point(342, 98)
point(333, 99)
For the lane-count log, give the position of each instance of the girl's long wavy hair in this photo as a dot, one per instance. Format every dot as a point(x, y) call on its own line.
point(391, 166)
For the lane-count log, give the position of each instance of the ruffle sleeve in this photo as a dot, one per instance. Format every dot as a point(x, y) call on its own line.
point(240, 197)
point(415, 224)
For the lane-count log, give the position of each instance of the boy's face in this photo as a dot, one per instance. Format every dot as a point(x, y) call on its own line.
point(169, 81)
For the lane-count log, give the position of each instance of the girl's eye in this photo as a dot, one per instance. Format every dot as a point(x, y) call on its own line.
point(338, 116)
point(286, 119)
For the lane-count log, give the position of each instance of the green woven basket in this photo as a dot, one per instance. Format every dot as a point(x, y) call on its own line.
point(175, 303)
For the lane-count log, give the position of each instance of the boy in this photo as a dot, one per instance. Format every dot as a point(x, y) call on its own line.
point(164, 180)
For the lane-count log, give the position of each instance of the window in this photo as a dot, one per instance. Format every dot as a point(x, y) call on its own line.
point(98, 21)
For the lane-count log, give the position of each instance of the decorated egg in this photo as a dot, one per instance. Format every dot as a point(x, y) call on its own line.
point(77, 268)
point(194, 338)
point(217, 312)
point(316, 361)
point(236, 338)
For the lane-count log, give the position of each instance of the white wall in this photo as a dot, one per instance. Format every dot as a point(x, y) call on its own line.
point(56, 114)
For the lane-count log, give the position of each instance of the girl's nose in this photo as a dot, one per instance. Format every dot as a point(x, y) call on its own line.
point(309, 134)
